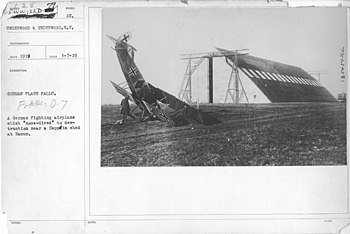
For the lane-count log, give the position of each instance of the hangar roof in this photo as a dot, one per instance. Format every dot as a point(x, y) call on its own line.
point(282, 82)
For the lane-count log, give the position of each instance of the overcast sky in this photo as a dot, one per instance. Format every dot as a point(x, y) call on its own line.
point(310, 38)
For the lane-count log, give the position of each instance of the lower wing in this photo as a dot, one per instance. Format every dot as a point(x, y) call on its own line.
point(122, 91)
point(182, 110)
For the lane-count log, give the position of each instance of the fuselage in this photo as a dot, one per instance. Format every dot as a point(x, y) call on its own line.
point(138, 86)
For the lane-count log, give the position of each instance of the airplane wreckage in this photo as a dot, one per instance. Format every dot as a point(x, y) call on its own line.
point(279, 82)
point(155, 104)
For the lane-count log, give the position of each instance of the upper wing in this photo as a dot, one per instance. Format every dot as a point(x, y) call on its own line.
point(182, 110)
point(281, 82)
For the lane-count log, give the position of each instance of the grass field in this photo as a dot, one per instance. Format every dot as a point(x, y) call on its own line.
point(250, 135)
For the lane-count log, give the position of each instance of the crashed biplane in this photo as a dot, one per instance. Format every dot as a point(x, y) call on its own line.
point(154, 103)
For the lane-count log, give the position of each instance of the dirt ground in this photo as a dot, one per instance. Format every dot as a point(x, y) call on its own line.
point(250, 135)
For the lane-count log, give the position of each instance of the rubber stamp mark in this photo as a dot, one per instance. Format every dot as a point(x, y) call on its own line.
point(41, 13)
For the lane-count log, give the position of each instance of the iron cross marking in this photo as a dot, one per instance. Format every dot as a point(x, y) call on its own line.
point(125, 37)
point(133, 71)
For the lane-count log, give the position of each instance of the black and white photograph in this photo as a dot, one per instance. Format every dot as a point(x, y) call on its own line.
point(174, 117)
point(223, 87)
